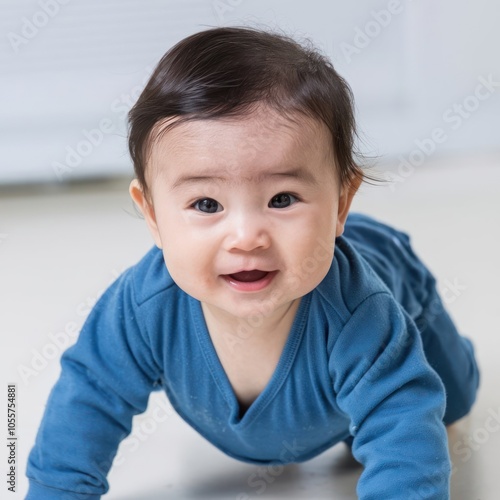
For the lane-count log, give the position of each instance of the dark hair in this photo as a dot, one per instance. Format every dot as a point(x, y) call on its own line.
point(225, 72)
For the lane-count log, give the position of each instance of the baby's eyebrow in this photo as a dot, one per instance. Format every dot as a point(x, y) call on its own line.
point(299, 173)
point(195, 179)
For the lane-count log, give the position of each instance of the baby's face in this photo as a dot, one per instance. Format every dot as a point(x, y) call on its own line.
point(257, 194)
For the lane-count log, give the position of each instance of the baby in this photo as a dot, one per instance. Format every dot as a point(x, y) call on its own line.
point(277, 323)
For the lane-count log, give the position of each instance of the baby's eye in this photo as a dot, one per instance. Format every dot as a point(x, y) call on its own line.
point(206, 205)
point(282, 200)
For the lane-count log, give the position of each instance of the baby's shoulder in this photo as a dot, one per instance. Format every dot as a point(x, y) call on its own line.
point(349, 282)
point(372, 257)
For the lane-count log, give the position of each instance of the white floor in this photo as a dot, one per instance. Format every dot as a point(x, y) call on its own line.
point(60, 248)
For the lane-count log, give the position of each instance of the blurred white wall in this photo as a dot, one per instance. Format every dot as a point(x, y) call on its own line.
point(426, 75)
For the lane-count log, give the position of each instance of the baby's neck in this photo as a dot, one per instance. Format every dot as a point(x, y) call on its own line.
point(256, 329)
point(249, 360)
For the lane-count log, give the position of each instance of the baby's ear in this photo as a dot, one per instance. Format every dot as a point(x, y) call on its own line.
point(146, 207)
point(347, 193)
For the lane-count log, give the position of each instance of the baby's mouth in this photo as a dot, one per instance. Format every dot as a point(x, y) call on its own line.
point(248, 276)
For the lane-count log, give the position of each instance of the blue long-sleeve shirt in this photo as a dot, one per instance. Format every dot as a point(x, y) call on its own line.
point(353, 365)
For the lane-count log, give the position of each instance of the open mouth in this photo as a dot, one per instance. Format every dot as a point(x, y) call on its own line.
point(249, 276)
point(250, 281)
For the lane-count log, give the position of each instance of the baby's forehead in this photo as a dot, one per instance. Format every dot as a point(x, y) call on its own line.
point(232, 167)
point(263, 130)
point(238, 149)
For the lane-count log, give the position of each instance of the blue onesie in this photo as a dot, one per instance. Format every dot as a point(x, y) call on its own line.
point(372, 356)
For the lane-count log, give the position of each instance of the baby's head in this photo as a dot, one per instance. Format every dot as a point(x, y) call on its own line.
point(242, 144)
point(226, 73)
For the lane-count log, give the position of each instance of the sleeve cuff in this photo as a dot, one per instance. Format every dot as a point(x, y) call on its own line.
point(38, 491)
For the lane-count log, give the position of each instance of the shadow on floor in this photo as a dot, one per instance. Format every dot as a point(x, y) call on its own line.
point(308, 480)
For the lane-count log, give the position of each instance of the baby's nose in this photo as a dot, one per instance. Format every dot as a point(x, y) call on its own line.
point(247, 233)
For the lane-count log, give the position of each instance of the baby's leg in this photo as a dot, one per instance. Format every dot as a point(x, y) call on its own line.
point(451, 356)
point(391, 256)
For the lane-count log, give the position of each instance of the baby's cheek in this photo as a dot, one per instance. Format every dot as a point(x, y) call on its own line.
point(175, 266)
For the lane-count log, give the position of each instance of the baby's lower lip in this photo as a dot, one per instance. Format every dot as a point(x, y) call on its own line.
point(250, 286)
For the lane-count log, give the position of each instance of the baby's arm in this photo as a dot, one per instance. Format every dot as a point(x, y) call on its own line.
point(106, 379)
point(395, 401)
